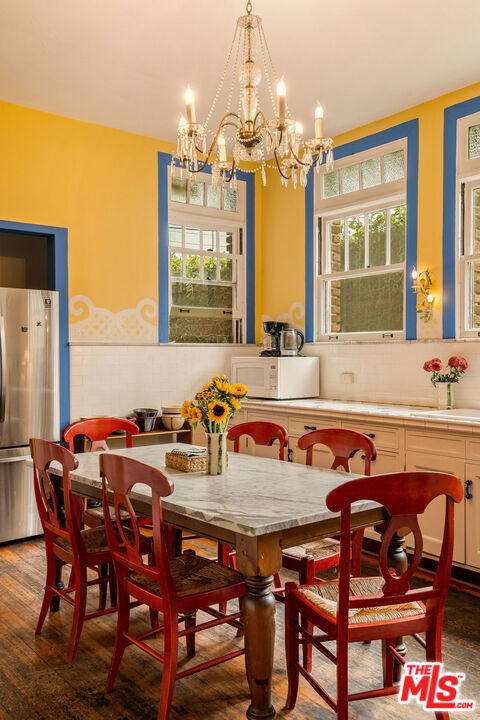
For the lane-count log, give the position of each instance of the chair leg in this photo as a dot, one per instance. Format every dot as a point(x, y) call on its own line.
point(123, 620)
point(48, 594)
point(276, 581)
point(223, 557)
point(241, 630)
point(433, 640)
point(342, 679)
point(307, 577)
point(190, 621)
point(291, 651)
point(357, 553)
point(102, 587)
point(112, 585)
point(169, 666)
point(388, 662)
point(78, 611)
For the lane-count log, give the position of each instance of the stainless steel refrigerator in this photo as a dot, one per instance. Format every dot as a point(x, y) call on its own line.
point(29, 399)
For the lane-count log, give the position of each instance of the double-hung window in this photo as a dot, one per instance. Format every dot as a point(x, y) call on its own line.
point(361, 246)
point(468, 214)
point(206, 231)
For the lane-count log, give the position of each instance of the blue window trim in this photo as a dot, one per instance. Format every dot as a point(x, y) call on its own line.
point(164, 160)
point(57, 248)
point(451, 116)
point(407, 130)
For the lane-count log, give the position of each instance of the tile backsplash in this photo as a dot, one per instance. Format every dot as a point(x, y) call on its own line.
point(114, 379)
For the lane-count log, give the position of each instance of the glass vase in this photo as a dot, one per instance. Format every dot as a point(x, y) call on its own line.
point(217, 453)
point(445, 396)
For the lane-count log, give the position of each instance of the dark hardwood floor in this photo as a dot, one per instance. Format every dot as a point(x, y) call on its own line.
point(36, 682)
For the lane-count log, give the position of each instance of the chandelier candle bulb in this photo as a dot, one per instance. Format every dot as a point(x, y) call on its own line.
point(318, 122)
point(281, 94)
point(190, 103)
point(222, 150)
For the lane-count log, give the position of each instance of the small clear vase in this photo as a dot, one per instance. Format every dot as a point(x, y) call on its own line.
point(217, 453)
point(445, 396)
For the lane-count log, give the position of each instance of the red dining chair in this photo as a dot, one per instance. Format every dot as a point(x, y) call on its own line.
point(97, 430)
point(60, 511)
point(382, 608)
point(176, 587)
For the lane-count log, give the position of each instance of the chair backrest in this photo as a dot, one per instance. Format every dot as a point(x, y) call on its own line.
point(344, 444)
point(120, 475)
point(97, 431)
point(404, 496)
point(262, 433)
point(58, 507)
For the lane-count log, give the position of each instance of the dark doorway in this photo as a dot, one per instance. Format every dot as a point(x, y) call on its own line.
point(23, 261)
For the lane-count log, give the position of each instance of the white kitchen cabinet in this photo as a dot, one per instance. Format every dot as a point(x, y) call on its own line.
point(386, 462)
point(432, 521)
point(322, 457)
point(472, 514)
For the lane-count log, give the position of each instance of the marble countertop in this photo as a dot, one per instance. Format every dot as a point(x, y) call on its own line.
point(257, 496)
point(395, 412)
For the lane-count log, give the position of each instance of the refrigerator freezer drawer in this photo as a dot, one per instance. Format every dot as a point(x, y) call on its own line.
point(18, 510)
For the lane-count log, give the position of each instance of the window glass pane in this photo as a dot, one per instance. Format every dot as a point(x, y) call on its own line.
point(371, 303)
point(192, 238)
point(214, 196)
point(230, 199)
point(474, 142)
point(178, 192)
point(331, 184)
point(192, 266)
point(350, 179)
point(226, 269)
point(371, 174)
point(199, 295)
point(225, 242)
point(175, 235)
point(209, 240)
point(356, 242)
point(377, 238)
point(398, 220)
point(200, 326)
point(475, 295)
point(476, 220)
point(337, 245)
point(196, 193)
point(176, 264)
point(209, 268)
point(393, 166)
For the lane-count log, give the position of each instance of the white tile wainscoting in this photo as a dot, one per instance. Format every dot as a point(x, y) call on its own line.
point(114, 379)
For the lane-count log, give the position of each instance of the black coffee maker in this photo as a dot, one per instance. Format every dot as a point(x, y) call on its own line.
point(273, 329)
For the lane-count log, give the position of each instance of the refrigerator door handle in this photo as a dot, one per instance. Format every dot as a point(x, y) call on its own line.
point(3, 360)
point(14, 459)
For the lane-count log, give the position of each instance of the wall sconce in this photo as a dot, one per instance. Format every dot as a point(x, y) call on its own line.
point(422, 284)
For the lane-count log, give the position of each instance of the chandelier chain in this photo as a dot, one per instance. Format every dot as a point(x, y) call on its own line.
point(261, 33)
point(222, 78)
point(234, 76)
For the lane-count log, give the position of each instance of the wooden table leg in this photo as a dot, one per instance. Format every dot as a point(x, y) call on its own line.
point(398, 560)
point(259, 620)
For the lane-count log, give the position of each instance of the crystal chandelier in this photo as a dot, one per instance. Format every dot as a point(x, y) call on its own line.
point(247, 133)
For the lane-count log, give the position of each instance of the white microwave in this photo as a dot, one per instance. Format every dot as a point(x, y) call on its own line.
point(278, 378)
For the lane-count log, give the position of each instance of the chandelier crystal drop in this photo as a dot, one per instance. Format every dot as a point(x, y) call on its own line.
point(246, 134)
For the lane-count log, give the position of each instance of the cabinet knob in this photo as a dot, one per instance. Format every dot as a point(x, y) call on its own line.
point(371, 435)
point(468, 485)
point(289, 455)
point(309, 427)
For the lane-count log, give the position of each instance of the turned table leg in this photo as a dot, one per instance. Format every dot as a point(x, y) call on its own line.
point(397, 559)
point(259, 620)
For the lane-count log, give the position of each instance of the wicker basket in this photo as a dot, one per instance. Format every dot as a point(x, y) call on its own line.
point(186, 464)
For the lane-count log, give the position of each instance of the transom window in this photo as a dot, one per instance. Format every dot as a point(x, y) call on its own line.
point(361, 249)
point(206, 265)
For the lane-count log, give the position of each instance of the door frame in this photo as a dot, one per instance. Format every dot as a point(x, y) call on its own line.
point(57, 249)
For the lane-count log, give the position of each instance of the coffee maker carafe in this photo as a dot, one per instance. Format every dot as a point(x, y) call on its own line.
point(272, 340)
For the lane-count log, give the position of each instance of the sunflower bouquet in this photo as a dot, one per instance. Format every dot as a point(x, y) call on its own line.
point(215, 404)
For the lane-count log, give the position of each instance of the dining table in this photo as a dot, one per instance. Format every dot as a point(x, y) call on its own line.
point(260, 506)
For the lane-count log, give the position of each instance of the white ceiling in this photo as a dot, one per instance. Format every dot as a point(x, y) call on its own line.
point(126, 63)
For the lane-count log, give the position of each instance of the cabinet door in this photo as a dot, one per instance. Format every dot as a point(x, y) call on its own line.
point(386, 462)
point(472, 515)
point(431, 522)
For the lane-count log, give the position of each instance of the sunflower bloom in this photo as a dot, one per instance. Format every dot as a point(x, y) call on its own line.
point(222, 385)
point(235, 404)
point(218, 377)
point(218, 411)
point(196, 414)
point(206, 387)
point(239, 390)
point(186, 410)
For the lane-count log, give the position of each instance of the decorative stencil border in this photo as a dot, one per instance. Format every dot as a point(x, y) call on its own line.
point(139, 324)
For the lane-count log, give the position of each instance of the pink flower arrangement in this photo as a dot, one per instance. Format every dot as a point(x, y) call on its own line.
point(456, 366)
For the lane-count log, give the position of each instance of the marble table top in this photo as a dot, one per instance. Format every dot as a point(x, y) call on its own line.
point(257, 496)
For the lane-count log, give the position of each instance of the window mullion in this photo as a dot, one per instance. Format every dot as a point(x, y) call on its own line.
point(388, 239)
point(366, 226)
point(346, 244)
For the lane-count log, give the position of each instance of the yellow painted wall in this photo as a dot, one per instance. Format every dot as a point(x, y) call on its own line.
point(283, 225)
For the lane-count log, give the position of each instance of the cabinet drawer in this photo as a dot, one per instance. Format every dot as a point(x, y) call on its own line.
point(280, 419)
point(473, 449)
point(299, 427)
point(444, 444)
point(383, 437)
